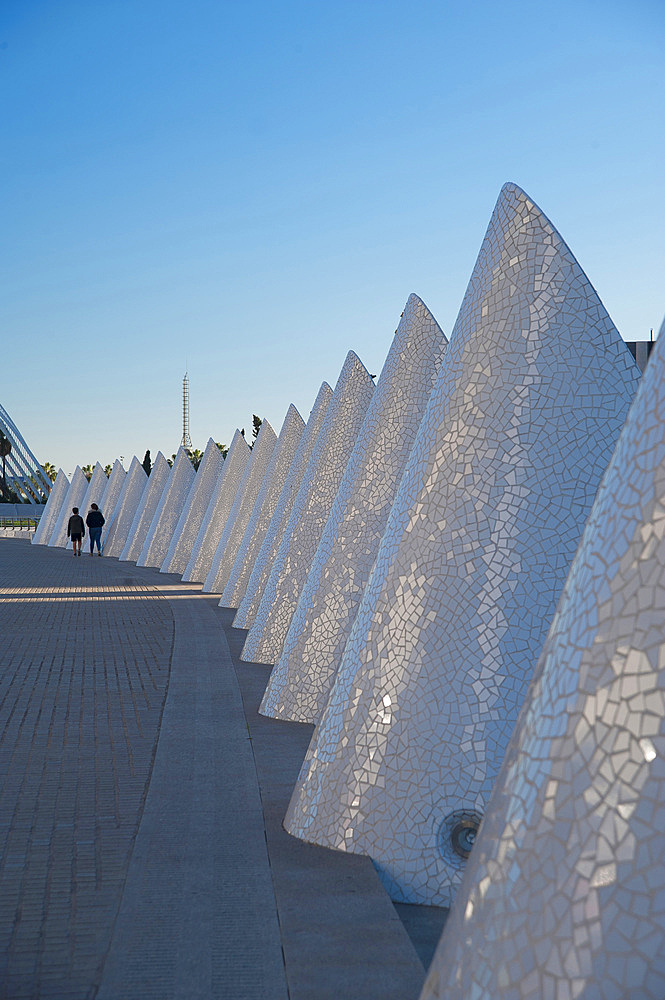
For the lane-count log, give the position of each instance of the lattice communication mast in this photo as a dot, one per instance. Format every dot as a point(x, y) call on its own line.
point(186, 439)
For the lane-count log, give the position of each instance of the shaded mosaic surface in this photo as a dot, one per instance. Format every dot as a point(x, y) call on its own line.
point(52, 510)
point(260, 574)
point(145, 511)
point(114, 485)
point(218, 511)
point(196, 505)
point(310, 512)
point(565, 889)
point(243, 505)
point(168, 511)
point(264, 508)
point(117, 528)
point(95, 492)
point(520, 427)
point(301, 680)
point(75, 494)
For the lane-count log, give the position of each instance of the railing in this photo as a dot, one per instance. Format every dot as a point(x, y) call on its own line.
point(19, 523)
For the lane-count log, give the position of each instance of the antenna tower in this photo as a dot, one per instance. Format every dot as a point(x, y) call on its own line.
point(186, 439)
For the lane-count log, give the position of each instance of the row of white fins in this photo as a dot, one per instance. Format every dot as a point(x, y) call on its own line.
point(399, 558)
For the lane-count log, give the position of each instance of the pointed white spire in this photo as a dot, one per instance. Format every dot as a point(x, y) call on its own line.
point(152, 494)
point(234, 529)
point(259, 522)
point(52, 510)
point(531, 397)
point(280, 519)
point(311, 508)
point(194, 511)
point(219, 508)
point(75, 494)
point(565, 886)
point(118, 525)
point(95, 491)
point(111, 494)
point(168, 511)
point(301, 680)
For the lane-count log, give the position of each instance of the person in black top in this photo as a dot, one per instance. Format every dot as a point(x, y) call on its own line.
point(76, 530)
point(95, 522)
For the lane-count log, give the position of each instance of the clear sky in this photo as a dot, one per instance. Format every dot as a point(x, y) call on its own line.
point(251, 188)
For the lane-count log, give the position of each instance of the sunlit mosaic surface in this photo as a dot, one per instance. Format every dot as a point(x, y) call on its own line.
point(52, 510)
point(300, 682)
point(243, 505)
point(196, 505)
point(145, 511)
point(117, 530)
point(565, 892)
point(310, 512)
point(75, 494)
point(520, 427)
point(168, 511)
point(114, 485)
point(219, 508)
point(264, 508)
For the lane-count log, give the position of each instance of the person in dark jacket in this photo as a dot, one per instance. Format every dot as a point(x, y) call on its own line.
point(76, 530)
point(95, 522)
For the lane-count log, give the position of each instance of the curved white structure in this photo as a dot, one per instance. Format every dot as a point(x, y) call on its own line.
point(565, 889)
point(118, 525)
point(264, 508)
point(24, 473)
point(196, 505)
point(52, 510)
point(278, 523)
point(300, 683)
point(310, 512)
point(168, 511)
point(107, 504)
point(517, 434)
point(75, 494)
point(152, 494)
point(243, 505)
point(219, 508)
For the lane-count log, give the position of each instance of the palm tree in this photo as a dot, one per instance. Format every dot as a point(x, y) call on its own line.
point(5, 449)
point(108, 470)
point(87, 471)
point(195, 457)
point(50, 470)
point(222, 447)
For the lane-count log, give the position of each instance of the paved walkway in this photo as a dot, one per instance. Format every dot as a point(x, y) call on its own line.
point(142, 852)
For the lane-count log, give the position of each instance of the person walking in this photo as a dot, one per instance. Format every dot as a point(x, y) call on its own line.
point(95, 522)
point(76, 530)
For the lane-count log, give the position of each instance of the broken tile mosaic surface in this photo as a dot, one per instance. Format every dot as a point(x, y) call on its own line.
point(310, 512)
point(93, 494)
point(260, 574)
point(168, 511)
point(75, 494)
point(243, 505)
point(219, 508)
point(196, 505)
point(300, 682)
point(108, 502)
point(264, 508)
point(532, 395)
point(52, 510)
point(565, 889)
point(152, 494)
point(116, 531)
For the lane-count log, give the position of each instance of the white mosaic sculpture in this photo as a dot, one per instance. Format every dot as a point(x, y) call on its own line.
point(531, 397)
point(280, 519)
point(565, 890)
point(310, 512)
point(264, 508)
point(111, 495)
point(168, 511)
point(117, 527)
point(52, 510)
point(243, 505)
point(219, 508)
point(152, 494)
point(94, 493)
point(301, 680)
point(196, 505)
point(78, 488)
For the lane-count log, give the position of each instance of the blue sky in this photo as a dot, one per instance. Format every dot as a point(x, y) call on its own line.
point(251, 189)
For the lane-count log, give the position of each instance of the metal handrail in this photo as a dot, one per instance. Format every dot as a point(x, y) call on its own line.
point(19, 522)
